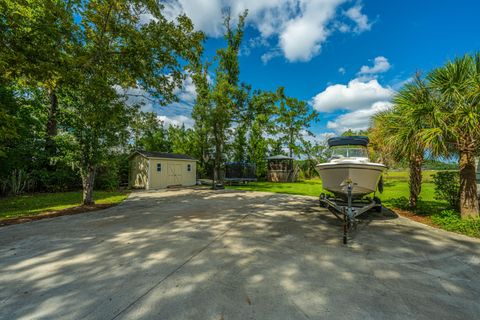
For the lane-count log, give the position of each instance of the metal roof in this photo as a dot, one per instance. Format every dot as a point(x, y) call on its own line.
point(348, 141)
point(279, 157)
point(165, 155)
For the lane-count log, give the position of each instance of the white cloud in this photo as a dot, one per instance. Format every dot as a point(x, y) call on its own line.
point(205, 14)
point(188, 93)
point(358, 119)
point(380, 65)
point(360, 19)
point(270, 55)
point(353, 96)
point(178, 120)
point(303, 36)
point(342, 70)
point(137, 96)
point(178, 113)
point(320, 138)
point(300, 26)
point(398, 83)
point(362, 97)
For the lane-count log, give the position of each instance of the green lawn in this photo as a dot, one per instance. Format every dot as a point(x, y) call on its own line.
point(26, 205)
point(396, 186)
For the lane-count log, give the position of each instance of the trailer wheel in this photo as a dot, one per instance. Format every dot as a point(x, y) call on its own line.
point(378, 207)
point(321, 199)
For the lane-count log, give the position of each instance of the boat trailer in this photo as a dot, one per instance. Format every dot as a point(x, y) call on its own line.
point(348, 211)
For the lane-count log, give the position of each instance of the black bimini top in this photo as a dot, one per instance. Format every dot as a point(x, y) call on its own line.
point(348, 141)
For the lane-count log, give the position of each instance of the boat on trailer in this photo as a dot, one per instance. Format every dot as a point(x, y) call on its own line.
point(350, 176)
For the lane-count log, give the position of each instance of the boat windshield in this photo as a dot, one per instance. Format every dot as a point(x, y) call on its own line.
point(349, 152)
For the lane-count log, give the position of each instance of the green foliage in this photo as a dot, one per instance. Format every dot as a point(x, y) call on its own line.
point(293, 120)
point(149, 133)
point(181, 139)
point(239, 145)
point(8, 121)
point(350, 133)
point(200, 114)
point(218, 104)
point(84, 57)
point(400, 203)
point(447, 187)
point(432, 164)
point(450, 220)
point(62, 178)
point(17, 182)
point(307, 168)
point(257, 149)
point(259, 119)
point(454, 127)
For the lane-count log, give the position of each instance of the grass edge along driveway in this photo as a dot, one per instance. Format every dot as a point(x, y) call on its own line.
point(41, 203)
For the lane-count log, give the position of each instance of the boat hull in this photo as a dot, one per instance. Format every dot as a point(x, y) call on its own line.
point(364, 177)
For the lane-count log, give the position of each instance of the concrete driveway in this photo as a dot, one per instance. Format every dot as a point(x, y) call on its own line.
point(195, 254)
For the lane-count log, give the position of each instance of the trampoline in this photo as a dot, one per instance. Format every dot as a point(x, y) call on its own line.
point(240, 172)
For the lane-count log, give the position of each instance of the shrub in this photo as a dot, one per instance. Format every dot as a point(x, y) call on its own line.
point(114, 174)
point(57, 178)
point(450, 220)
point(16, 183)
point(447, 187)
point(400, 203)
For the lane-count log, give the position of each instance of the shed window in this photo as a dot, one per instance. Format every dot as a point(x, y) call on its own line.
point(189, 167)
point(159, 167)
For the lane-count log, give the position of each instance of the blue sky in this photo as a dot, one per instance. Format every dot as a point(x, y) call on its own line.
point(346, 58)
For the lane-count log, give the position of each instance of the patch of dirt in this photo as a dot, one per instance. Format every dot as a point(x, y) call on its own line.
point(56, 213)
point(418, 218)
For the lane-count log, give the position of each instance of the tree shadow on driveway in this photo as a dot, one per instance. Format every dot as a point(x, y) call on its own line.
point(200, 254)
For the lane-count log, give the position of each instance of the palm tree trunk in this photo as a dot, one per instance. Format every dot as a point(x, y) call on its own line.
point(415, 182)
point(468, 185)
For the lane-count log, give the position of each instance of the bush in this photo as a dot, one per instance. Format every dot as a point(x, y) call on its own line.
point(57, 178)
point(400, 203)
point(16, 183)
point(447, 187)
point(114, 174)
point(450, 220)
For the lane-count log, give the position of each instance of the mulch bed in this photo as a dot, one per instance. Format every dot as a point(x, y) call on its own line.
point(418, 218)
point(56, 213)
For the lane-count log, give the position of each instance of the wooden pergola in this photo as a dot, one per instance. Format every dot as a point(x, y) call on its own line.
point(281, 169)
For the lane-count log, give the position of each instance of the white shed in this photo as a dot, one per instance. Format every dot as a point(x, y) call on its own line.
point(157, 170)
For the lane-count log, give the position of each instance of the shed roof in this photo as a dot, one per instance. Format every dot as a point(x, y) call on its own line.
point(279, 157)
point(165, 155)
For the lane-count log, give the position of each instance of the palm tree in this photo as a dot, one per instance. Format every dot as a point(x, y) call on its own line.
point(396, 131)
point(455, 122)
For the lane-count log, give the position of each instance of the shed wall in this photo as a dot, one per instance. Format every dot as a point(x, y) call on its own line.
point(172, 172)
point(138, 177)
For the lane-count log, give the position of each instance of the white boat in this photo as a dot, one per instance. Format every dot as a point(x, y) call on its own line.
point(350, 165)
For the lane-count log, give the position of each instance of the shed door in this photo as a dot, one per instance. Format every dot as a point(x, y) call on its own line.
point(174, 174)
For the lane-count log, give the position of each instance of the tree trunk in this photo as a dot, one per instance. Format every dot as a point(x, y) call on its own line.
point(468, 185)
point(88, 179)
point(218, 162)
point(290, 145)
point(415, 182)
point(51, 123)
